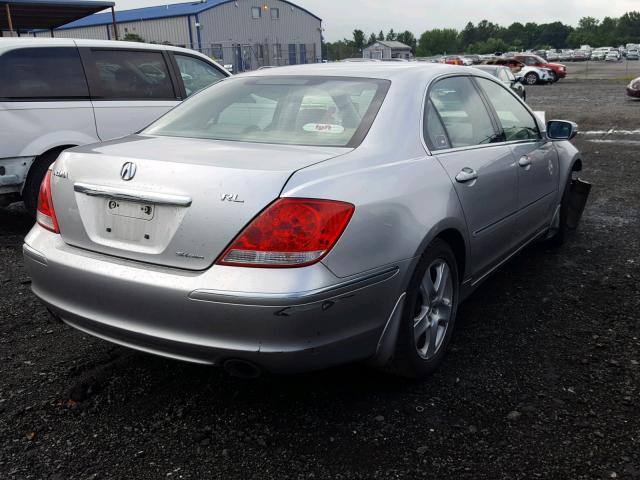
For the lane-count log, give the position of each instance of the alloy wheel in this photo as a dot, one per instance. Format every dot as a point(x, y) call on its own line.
point(433, 309)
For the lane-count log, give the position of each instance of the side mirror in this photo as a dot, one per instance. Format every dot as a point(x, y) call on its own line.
point(561, 130)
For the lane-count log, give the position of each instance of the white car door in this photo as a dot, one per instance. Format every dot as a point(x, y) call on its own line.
point(129, 88)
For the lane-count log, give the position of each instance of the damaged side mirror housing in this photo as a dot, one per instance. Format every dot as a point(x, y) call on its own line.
point(561, 130)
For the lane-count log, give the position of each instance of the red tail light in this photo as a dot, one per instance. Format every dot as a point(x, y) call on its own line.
point(291, 232)
point(46, 215)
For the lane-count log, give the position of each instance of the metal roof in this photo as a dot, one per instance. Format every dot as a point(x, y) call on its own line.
point(393, 44)
point(161, 11)
point(47, 14)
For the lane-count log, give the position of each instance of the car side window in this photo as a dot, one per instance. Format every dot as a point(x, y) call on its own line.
point(132, 75)
point(44, 73)
point(196, 74)
point(463, 113)
point(434, 134)
point(516, 121)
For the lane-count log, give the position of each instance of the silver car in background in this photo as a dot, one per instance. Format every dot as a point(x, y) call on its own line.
point(301, 217)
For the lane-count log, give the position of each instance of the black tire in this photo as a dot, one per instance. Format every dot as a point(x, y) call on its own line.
point(560, 237)
point(34, 179)
point(406, 360)
point(531, 78)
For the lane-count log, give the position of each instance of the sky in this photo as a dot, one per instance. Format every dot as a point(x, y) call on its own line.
point(341, 17)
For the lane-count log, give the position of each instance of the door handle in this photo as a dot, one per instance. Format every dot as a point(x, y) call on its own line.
point(466, 175)
point(524, 162)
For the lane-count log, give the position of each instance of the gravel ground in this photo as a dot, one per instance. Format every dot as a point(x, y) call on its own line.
point(542, 381)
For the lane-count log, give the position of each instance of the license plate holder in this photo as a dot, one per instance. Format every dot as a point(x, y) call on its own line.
point(123, 208)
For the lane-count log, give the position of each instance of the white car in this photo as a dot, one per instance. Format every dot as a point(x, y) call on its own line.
point(534, 75)
point(59, 93)
point(612, 56)
point(633, 55)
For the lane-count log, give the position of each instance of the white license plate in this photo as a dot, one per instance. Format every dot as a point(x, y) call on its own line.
point(122, 208)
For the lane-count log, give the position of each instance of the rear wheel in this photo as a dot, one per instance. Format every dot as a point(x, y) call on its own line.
point(531, 78)
point(429, 313)
point(34, 179)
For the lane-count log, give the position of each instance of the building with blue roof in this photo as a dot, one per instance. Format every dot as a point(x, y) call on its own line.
point(247, 34)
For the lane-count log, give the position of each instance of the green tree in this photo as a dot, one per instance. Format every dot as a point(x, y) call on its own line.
point(133, 37)
point(358, 39)
point(372, 39)
point(408, 38)
point(554, 34)
point(629, 27)
point(391, 35)
point(438, 41)
point(469, 34)
point(381, 35)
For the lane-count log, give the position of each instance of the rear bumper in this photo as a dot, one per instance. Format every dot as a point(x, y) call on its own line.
point(289, 320)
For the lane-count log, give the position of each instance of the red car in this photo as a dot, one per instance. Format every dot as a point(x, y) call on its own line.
point(558, 70)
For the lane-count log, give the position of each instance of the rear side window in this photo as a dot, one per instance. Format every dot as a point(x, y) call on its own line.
point(42, 74)
point(516, 121)
point(463, 114)
point(132, 75)
point(196, 74)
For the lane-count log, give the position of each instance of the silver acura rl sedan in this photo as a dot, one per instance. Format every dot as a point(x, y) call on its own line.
point(301, 217)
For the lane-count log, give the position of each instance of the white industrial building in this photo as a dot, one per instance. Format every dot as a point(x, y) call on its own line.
point(244, 33)
point(387, 50)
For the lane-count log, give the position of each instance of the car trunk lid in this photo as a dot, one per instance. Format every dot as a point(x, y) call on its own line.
point(170, 201)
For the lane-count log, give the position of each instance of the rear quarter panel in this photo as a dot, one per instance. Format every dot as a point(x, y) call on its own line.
point(403, 196)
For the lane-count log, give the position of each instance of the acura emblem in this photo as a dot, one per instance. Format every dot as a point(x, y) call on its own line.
point(128, 171)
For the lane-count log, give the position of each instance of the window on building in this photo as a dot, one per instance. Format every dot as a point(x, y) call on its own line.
point(275, 13)
point(255, 12)
point(277, 51)
point(42, 73)
point(128, 74)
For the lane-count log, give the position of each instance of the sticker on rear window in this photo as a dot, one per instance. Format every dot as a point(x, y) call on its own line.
point(323, 128)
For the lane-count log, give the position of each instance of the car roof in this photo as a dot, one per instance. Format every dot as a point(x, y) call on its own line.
point(60, 42)
point(13, 42)
point(380, 70)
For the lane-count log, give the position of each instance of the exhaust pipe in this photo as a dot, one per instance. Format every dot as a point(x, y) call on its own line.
point(241, 368)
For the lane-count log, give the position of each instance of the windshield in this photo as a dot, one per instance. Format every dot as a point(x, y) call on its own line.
point(313, 111)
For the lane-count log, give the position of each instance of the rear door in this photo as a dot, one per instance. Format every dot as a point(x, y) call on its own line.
point(44, 101)
point(535, 157)
point(461, 132)
point(129, 88)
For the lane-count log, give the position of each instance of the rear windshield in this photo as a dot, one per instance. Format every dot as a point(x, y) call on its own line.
point(314, 111)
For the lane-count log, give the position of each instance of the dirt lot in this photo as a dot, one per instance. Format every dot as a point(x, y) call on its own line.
point(543, 380)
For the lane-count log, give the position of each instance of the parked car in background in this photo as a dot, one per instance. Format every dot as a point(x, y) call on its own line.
point(456, 60)
point(558, 70)
point(612, 56)
point(633, 54)
point(552, 56)
point(60, 93)
point(633, 89)
point(600, 53)
point(566, 55)
point(474, 59)
point(580, 56)
point(255, 227)
point(505, 75)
